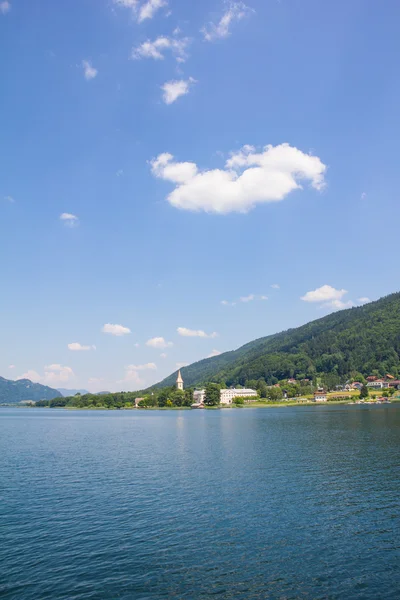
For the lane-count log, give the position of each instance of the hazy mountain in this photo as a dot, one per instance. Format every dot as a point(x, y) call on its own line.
point(65, 392)
point(12, 392)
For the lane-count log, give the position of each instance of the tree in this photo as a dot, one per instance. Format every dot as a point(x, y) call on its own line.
point(238, 401)
point(364, 392)
point(212, 394)
point(274, 394)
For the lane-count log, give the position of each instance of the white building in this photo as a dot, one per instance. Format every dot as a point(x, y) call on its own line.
point(199, 396)
point(376, 385)
point(227, 396)
point(320, 396)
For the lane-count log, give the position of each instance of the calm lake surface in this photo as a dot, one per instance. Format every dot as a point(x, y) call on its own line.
point(253, 503)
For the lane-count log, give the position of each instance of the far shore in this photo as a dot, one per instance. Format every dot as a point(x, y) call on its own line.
point(250, 405)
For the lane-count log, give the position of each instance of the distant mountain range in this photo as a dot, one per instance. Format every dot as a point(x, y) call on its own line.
point(12, 392)
point(358, 340)
point(65, 392)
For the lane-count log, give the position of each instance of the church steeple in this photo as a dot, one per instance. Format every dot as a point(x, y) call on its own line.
point(179, 381)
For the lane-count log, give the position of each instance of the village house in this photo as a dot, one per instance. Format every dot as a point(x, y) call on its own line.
point(292, 381)
point(377, 384)
point(320, 396)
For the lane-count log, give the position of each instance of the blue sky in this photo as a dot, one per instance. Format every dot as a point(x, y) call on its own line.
point(178, 178)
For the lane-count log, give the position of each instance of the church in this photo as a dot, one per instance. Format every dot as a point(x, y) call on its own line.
point(179, 381)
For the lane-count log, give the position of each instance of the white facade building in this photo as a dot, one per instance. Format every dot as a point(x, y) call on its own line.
point(320, 396)
point(227, 396)
point(376, 385)
point(199, 396)
point(179, 381)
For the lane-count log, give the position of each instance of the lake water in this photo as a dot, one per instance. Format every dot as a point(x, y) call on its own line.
point(284, 503)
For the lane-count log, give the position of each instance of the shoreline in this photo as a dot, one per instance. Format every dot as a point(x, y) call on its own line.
point(251, 405)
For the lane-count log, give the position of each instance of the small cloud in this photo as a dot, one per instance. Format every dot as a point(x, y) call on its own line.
point(158, 342)
point(9, 199)
point(144, 10)
point(329, 297)
point(156, 49)
point(89, 71)
point(264, 297)
point(146, 367)
point(119, 173)
point(136, 345)
point(5, 7)
point(236, 11)
point(53, 374)
point(117, 330)
point(214, 353)
point(364, 300)
point(176, 88)
point(163, 355)
point(363, 196)
point(180, 365)
point(248, 298)
point(77, 347)
point(69, 219)
point(276, 286)
point(183, 331)
point(149, 9)
point(11, 366)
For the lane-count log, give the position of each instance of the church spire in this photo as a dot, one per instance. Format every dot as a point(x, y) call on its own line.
point(179, 381)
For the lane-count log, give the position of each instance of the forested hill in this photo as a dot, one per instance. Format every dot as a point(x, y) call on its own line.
point(357, 340)
point(12, 392)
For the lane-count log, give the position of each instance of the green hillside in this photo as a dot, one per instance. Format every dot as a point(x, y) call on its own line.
point(12, 392)
point(358, 340)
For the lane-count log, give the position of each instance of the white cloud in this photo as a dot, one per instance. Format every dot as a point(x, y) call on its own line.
point(163, 355)
point(11, 366)
point(132, 376)
point(5, 7)
point(158, 342)
point(214, 353)
point(249, 178)
point(363, 196)
point(76, 347)
point(69, 219)
point(9, 199)
point(146, 367)
point(143, 11)
point(326, 293)
point(88, 70)
point(227, 303)
point(176, 88)
point(149, 9)
point(117, 330)
point(364, 300)
point(119, 173)
point(235, 11)
point(248, 298)
point(53, 375)
point(183, 331)
point(276, 286)
point(157, 48)
point(328, 297)
point(264, 297)
point(180, 365)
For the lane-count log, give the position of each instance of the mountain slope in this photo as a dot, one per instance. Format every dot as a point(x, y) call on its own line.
point(12, 392)
point(65, 392)
point(361, 339)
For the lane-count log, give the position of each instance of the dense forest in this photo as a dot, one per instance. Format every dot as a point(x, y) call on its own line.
point(22, 390)
point(348, 344)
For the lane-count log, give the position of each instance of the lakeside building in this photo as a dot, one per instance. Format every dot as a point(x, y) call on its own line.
point(378, 384)
point(227, 396)
point(199, 396)
point(320, 396)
